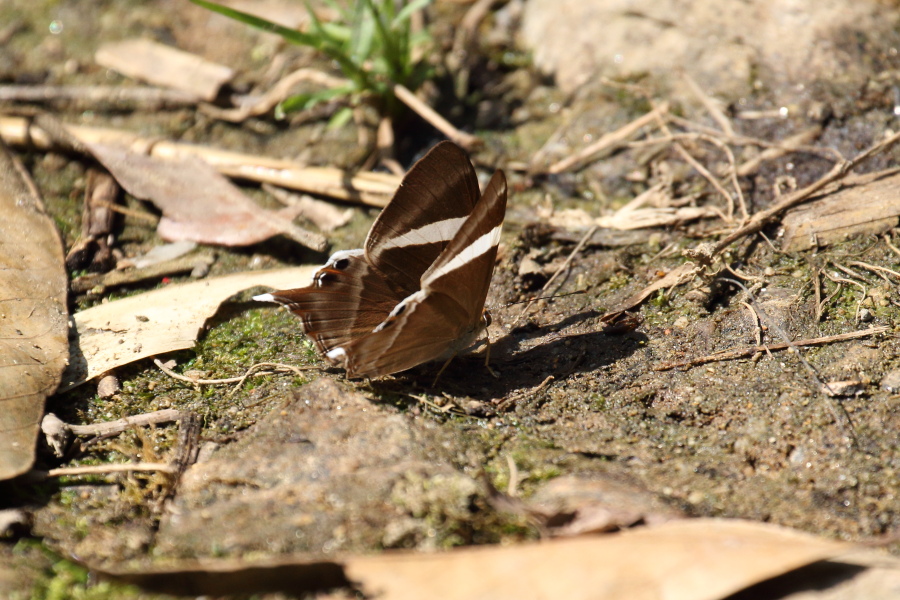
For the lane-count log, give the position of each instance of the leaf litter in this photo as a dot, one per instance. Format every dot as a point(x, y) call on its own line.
point(549, 358)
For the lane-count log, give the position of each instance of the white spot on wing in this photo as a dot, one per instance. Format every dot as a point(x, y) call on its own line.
point(439, 231)
point(336, 354)
point(265, 298)
point(415, 297)
point(477, 248)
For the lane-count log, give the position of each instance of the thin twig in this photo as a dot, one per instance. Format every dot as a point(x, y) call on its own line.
point(750, 350)
point(239, 380)
point(608, 141)
point(94, 96)
point(710, 105)
point(838, 172)
point(260, 105)
point(462, 138)
point(104, 469)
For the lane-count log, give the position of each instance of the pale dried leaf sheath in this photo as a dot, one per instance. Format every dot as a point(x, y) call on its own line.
point(33, 317)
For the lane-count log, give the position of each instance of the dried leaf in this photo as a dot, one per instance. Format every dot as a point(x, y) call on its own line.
point(693, 559)
point(198, 203)
point(165, 66)
point(117, 333)
point(33, 317)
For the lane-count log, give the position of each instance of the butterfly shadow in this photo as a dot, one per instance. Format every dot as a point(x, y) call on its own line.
point(521, 364)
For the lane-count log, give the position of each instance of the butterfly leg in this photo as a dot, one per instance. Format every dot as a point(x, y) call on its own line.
point(487, 355)
point(443, 368)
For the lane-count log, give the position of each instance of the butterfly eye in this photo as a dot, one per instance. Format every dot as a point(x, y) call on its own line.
point(342, 264)
point(323, 277)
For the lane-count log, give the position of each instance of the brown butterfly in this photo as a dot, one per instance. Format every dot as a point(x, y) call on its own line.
point(416, 292)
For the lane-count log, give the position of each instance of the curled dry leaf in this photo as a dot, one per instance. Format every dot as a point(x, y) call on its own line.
point(123, 331)
point(33, 316)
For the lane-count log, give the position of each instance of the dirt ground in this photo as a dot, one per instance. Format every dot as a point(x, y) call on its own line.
point(324, 465)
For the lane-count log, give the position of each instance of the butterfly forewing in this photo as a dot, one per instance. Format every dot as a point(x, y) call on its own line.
point(431, 204)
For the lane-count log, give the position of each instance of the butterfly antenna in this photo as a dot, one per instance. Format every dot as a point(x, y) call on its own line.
point(536, 298)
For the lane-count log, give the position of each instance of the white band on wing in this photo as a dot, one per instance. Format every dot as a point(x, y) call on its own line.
point(477, 248)
point(439, 231)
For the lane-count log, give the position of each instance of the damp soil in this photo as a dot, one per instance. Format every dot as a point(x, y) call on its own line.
point(321, 464)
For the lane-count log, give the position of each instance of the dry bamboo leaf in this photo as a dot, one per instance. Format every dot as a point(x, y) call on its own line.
point(33, 317)
point(694, 559)
point(870, 206)
point(198, 203)
point(165, 66)
point(117, 333)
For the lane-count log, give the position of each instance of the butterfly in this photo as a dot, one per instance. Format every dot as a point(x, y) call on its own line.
point(415, 292)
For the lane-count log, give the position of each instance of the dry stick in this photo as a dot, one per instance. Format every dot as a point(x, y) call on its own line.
point(875, 268)
point(104, 469)
point(462, 138)
point(838, 172)
point(515, 398)
point(168, 415)
point(713, 181)
point(889, 243)
point(608, 141)
point(729, 201)
point(838, 412)
point(282, 368)
point(789, 145)
point(373, 189)
point(865, 290)
point(710, 105)
point(141, 97)
point(817, 288)
point(794, 143)
point(562, 268)
point(750, 350)
point(260, 105)
point(99, 282)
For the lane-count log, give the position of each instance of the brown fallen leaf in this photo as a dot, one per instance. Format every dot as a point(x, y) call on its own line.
point(869, 204)
point(165, 66)
point(123, 331)
point(198, 203)
point(693, 559)
point(33, 316)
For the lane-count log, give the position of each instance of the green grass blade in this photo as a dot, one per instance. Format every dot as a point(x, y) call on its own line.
point(407, 11)
point(291, 35)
